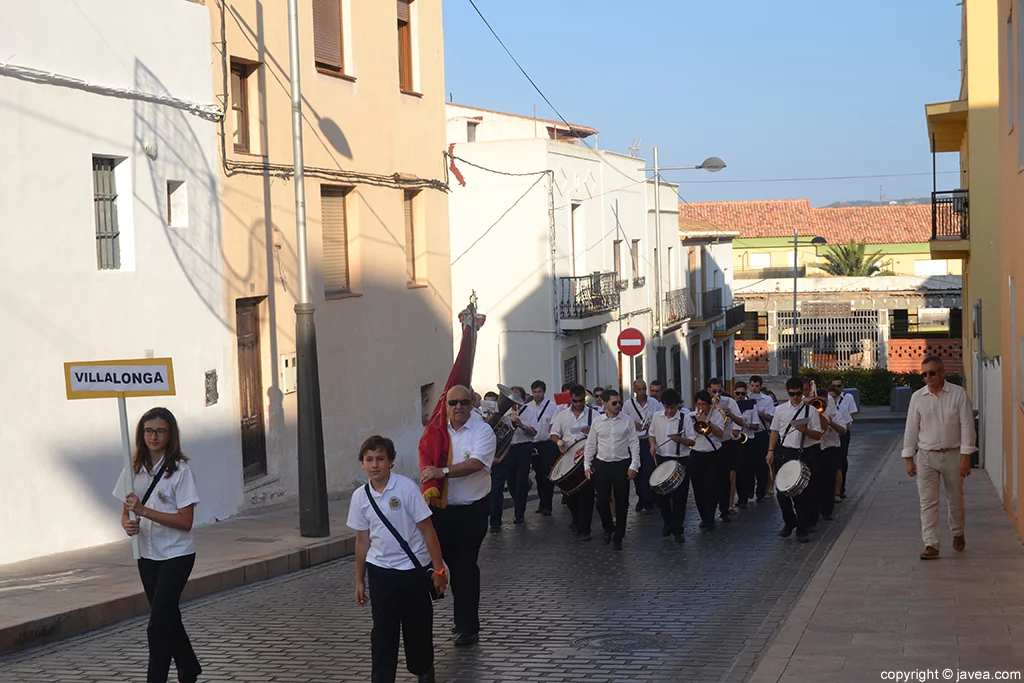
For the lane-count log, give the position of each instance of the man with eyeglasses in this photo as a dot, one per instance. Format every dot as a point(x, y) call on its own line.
point(642, 409)
point(846, 402)
point(796, 433)
point(728, 462)
point(534, 427)
point(940, 435)
point(462, 524)
point(752, 426)
point(670, 442)
point(611, 458)
point(569, 427)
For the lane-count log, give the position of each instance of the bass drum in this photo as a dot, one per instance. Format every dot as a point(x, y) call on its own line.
point(567, 473)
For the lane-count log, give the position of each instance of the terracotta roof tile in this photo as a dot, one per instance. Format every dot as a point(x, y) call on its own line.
point(776, 218)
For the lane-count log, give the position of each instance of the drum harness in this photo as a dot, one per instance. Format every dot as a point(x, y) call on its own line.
point(539, 418)
point(789, 427)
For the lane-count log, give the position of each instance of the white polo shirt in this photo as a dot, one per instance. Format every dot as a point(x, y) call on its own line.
point(569, 428)
point(402, 503)
point(789, 437)
point(663, 427)
point(475, 440)
point(732, 429)
point(156, 541)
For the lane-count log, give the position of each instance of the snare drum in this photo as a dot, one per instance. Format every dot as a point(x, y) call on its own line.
point(568, 470)
point(792, 478)
point(667, 477)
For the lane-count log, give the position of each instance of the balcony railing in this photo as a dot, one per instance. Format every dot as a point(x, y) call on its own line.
point(762, 273)
point(735, 316)
point(950, 215)
point(678, 306)
point(711, 303)
point(587, 295)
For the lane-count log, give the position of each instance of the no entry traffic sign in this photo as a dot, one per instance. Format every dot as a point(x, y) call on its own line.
point(631, 341)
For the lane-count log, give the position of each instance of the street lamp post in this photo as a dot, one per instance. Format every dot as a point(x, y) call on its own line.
point(711, 164)
point(794, 358)
point(313, 514)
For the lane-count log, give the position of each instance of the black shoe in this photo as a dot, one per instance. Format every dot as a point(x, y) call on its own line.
point(495, 529)
point(467, 639)
point(812, 529)
point(639, 508)
point(545, 513)
point(725, 518)
point(803, 538)
point(427, 677)
point(519, 520)
point(733, 513)
point(666, 531)
point(742, 506)
point(607, 538)
point(709, 526)
point(786, 532)
point(455, 630)
point(618, 544)
point(827, 518)
point(538, 511)
point(649, 511)
point(760, 499)
point(679, 538)
point(585, 537)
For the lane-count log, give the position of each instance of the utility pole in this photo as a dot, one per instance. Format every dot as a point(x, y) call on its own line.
point(657, 250)
point(794, 358)
point(313, 515)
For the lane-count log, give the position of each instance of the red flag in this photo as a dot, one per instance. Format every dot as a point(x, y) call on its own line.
point(435, 444)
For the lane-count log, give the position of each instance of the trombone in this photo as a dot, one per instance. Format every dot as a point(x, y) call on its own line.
point(817, 402)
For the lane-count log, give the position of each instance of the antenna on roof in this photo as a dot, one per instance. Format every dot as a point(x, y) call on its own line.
point(634, 147)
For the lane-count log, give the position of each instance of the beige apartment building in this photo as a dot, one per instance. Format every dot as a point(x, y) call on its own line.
point(372, 77)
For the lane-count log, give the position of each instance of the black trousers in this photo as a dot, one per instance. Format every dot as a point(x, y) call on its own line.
point(399, 602)
point(762, 476)
point(519, 458)
point(608, 477)
point(829, 463)
point(500, 472)
point(673, 506)
point(844, 457)
point(642, 481)
point(703, 473)
point(745, 472)
point(729, 455)
point(801, 511)
point(163, 581)
point(581, 508)
point(461, 530)
point(547, 456)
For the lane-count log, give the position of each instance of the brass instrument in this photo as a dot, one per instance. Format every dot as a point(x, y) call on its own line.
point(503, 421)
point(743, 437)
point(701, 426)
point(817, 402)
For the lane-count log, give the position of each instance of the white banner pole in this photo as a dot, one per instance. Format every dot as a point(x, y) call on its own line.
point(129, 474)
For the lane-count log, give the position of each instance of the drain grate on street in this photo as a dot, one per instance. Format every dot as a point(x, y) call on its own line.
point(253, 539)
point(625, 642)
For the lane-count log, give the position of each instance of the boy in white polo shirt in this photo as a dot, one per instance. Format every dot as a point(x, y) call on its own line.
point(398, 576)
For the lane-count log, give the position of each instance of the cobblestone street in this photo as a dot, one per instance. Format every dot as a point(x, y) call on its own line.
point(553, 608)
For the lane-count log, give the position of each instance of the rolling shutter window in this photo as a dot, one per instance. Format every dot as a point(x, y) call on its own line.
point(327, 34)
point(335, 237)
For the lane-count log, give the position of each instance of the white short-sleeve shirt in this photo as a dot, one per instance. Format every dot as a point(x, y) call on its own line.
point(475, 440)
point(156, 541)
point(569, 428)
point(402, 503)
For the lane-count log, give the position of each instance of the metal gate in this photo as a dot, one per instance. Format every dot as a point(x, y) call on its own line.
point(829, 337)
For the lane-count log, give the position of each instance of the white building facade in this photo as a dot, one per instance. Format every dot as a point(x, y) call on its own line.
point(116, 201)
point(560, 242)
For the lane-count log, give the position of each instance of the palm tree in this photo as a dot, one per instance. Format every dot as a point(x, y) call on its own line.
point(850, 260)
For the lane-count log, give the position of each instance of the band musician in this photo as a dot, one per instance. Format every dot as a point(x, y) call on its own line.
point(611, 460)
point(569, 427)
point(795, 435)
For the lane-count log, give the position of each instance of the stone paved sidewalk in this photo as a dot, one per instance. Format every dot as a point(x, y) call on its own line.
point(874, 607)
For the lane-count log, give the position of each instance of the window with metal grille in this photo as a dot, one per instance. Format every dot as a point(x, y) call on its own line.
point(755, 327)
point(335, 237)
point(638, 366)
point(426, 402)
point(404, 46)
point(327, 35)
point(634, 254)
point(571, 370)
point(108, 246)
point(410, 237)
point(617, 259)
point(240, 105)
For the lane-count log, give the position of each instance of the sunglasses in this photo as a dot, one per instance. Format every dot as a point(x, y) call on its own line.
point(459, 402)
point(741, 393)
point(615, 403)
point(716, 391)
point(796, 393)
point(578, 400)
point(929, 373)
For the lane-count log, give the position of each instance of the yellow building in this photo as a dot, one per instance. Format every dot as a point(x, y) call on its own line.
point(966, 217)
point(1009, 23)
point(372, 77)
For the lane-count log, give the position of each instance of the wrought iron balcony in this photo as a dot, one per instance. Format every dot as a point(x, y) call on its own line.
point(711, 303)
point(950, 215)
point(587, 295)
point(735, 316)
point(678, 306)
point(639, 281)
point(762, 273)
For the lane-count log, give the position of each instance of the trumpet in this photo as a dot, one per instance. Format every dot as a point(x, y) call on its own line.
point(743, 437)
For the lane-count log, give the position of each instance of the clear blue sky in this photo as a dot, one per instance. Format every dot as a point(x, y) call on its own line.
point(778, 89)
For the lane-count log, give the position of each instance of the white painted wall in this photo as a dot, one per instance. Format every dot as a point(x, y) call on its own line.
point(57, 306)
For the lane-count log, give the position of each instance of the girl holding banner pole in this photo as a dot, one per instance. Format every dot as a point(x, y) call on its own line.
point(167, 547)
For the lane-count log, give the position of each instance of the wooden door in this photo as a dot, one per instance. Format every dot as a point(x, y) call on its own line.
point(695, 366)
point(250, 389)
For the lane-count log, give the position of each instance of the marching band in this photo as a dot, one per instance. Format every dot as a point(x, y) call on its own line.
point(731, 449)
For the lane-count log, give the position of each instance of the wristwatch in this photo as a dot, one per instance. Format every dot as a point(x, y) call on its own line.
point(445, 471)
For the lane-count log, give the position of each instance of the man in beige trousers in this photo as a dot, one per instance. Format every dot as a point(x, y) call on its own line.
point(940, 435)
